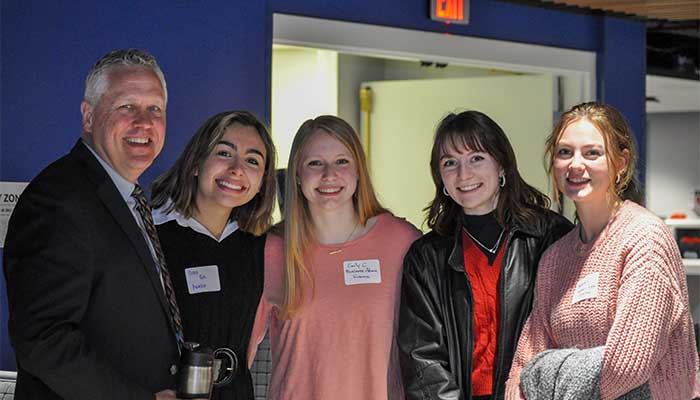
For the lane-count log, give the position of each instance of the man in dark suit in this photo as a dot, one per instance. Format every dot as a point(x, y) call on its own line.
point(89, 317)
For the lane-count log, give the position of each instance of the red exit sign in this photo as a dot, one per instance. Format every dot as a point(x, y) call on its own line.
point(450, 11)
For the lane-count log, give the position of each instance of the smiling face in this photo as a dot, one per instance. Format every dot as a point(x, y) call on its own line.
point(581, 166)
point(232, 173)
point(328, 173)
point(471, 178)
point(126, 127)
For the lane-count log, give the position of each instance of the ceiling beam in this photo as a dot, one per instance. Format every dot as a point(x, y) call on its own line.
point(675, 10)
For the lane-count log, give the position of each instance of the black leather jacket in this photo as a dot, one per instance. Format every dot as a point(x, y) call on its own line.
point(435, 319)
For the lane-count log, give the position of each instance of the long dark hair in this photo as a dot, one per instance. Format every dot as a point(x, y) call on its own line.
point(476, 131)
point(179, 183)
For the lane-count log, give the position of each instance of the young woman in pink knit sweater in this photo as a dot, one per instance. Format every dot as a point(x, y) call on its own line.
point(610, 317)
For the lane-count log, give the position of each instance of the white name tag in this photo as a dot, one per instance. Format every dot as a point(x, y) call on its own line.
point(586, 288)
point(362, 271)
point(203, 279)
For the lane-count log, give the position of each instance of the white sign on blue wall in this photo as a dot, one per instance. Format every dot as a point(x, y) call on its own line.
point(9, 195)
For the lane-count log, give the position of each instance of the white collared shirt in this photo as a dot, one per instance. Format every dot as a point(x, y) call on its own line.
point(160, 216)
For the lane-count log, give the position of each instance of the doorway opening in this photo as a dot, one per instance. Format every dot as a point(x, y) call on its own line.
point(414, 79)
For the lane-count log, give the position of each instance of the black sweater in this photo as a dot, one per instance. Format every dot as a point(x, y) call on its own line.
point(225, 317)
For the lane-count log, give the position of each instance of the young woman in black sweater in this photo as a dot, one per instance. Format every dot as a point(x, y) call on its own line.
point(212, 208)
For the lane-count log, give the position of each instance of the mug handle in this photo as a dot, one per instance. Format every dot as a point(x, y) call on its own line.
point(231, 370)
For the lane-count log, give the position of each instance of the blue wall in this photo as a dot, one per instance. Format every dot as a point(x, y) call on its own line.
point(216, 55)
point(621, 65)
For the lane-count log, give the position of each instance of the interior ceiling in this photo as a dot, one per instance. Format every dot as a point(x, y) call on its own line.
point(670, 10)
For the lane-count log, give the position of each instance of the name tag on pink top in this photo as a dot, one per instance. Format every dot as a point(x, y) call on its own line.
point(586, 288)
point(360, 272)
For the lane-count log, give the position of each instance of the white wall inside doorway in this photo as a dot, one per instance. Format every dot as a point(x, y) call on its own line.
point(304, 85)
point(308, 82)
point(673, 167)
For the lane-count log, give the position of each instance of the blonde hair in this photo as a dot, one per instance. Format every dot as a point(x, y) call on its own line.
point(618, 139)
point(298, 225)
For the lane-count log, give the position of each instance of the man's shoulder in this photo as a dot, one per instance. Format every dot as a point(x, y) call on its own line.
point(56, 197)
point(66, 177)
point(59, 171)
point(63, 184)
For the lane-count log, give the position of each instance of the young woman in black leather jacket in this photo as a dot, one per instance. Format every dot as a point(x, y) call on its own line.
point(467, 285)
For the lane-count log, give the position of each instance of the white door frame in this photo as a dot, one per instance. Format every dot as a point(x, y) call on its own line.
point(405, 44)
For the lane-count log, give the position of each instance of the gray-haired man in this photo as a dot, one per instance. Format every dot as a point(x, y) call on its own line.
point(89, 318)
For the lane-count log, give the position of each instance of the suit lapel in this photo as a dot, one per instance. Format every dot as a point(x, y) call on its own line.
point(113, 201)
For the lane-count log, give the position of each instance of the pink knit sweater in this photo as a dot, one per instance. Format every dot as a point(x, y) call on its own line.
point(626, 291)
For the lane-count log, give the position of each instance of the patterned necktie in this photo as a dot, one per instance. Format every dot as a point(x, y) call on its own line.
point(145, 211)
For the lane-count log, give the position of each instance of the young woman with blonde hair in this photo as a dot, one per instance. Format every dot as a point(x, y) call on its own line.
point(610, 315)
point(332, 303)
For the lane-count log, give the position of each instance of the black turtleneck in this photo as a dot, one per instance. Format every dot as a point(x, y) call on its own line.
point(485, 229)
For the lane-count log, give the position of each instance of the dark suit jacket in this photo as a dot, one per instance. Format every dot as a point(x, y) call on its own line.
point(88, 317)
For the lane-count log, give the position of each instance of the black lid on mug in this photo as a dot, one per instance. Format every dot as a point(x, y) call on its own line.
point(197, 356)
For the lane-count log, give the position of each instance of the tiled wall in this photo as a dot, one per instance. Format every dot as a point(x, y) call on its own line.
point(261, 369)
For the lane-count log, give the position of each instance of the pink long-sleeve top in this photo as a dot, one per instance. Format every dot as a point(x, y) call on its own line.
point(626, 291)
point(341, 344)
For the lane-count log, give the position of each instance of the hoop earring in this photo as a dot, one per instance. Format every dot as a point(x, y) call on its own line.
point(617, 179)
point(444, 191)
point(502, 180)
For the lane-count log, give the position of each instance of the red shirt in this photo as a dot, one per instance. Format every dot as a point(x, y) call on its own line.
point(484, 283)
